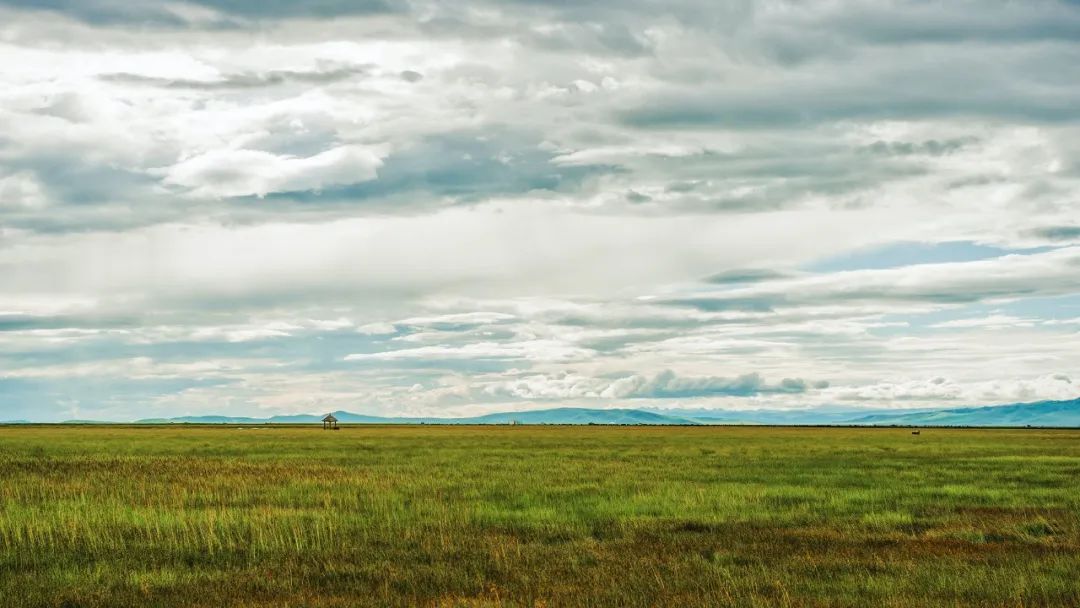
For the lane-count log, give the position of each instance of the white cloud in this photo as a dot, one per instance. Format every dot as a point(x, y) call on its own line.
point(664, 385)
point(989, 322)
point(527, 350)
point(226, 173)
point(376, 329)
point(940, 390)
point(465, 318)
point(487, 251)
point(21, 191)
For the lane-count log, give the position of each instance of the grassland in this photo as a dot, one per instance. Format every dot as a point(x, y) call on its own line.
point(538, 516)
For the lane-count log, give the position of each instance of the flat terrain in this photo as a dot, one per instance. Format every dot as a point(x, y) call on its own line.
point(538, 516)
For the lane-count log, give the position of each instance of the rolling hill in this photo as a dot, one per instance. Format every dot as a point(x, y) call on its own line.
point(814, 416)
point(1043, 413)
point(567, 415)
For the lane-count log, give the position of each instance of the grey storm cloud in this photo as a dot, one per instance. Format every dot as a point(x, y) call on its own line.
point(972, 94)
point(747, 275)
point(315, 8)
point(468, 166)
point(1043, 274)
point(22, 322)
point(592, 37)
point(967, 20)
point(241, 81)
point(931, 147)
point(1057, 233)
point(668, 385)
point(157, 12)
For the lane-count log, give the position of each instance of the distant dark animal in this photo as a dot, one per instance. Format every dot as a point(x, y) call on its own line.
point(915, 432)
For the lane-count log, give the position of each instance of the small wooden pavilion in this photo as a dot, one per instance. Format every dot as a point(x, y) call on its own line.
point(329, 423)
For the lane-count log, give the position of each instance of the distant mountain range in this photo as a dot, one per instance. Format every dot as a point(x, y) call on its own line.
point(1039, 414)
point(1042, 413)
point(815, 416)
point(563, 415)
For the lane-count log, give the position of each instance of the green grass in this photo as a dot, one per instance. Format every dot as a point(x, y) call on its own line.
point(538, 516)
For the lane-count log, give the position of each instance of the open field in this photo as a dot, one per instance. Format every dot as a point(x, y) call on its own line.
point(535, 516)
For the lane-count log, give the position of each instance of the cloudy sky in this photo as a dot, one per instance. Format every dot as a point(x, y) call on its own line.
point(449, 207)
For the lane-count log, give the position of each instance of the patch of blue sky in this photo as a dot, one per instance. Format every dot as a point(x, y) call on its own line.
point(898, 255)
point(1036, 309)
point(430, 365)
point(54, 400)
point(312, 351)
point(1046, 308)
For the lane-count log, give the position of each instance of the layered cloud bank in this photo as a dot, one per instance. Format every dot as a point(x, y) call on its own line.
point(451, 208)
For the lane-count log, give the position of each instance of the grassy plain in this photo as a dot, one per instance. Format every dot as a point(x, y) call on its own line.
point(538, 516)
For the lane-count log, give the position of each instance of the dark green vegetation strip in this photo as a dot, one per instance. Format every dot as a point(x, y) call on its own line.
point(534, 516)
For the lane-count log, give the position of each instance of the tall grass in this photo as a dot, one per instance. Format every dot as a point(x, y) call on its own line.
point(529, 516)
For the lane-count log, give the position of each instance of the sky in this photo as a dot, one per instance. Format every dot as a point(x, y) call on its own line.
point(449, 208)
